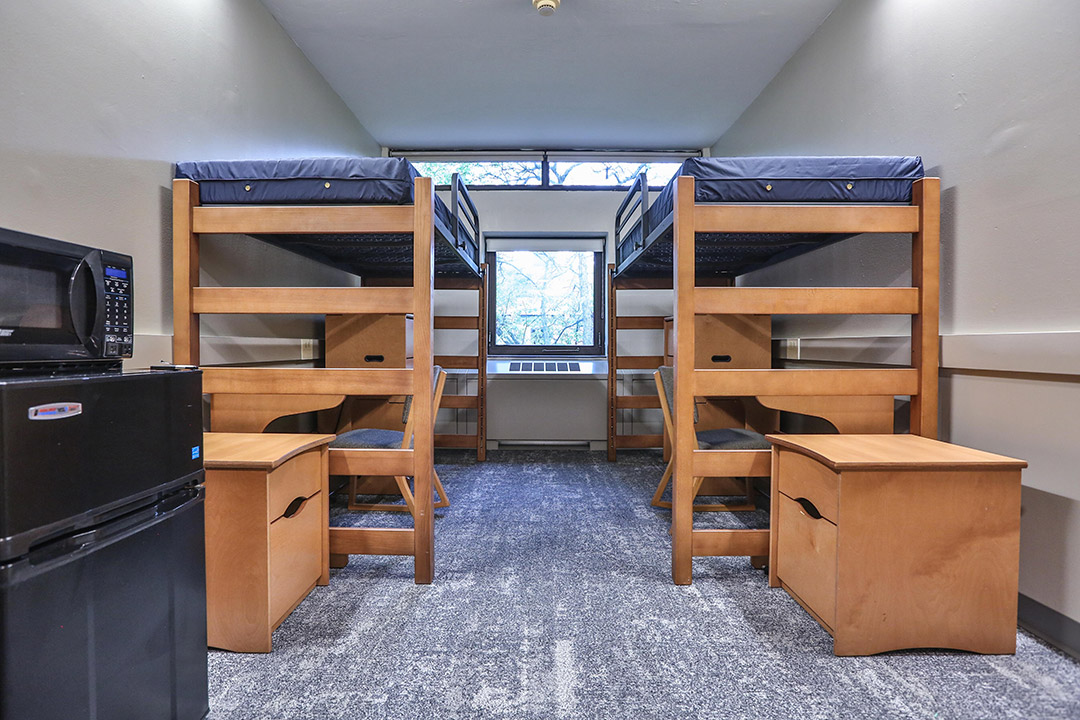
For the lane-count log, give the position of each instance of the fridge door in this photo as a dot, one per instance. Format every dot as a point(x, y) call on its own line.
point(111, 622)
point(75, 450)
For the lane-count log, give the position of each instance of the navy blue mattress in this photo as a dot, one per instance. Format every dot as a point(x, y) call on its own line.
point(338, 181)
point(877, 180)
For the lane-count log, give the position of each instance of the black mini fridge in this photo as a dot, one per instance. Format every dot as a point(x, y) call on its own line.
point(102, 575)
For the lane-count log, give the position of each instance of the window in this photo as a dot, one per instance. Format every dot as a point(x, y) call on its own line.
point(546, 296)
point(610, 174)
point(484, 172)
point(548, 170)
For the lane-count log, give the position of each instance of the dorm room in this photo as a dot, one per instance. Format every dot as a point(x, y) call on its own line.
point(792, 436)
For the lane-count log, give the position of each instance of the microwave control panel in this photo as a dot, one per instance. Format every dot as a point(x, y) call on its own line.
point(118, 311)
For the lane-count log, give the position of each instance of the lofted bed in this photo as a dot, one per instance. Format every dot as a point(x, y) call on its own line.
point(372, 217)
point(722, 217)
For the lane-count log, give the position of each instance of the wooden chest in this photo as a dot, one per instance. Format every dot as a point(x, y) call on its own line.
point(898, 541)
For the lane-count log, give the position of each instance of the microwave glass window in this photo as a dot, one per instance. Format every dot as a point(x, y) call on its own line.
point(33, 298)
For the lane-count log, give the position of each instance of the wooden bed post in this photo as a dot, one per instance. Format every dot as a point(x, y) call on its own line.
point(481, 372)
point(925, 275)
point(613, 376)
point(185, 273)
point(682, 517)
point(423, 362)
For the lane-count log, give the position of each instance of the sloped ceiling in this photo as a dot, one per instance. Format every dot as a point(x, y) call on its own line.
point(599, 74)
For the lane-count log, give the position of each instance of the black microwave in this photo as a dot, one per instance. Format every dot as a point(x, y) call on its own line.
point(62, 304)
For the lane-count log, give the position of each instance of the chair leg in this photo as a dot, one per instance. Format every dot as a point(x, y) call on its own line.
point(745, 506)
point(444, 501)
point(656, 501)
point(702, 507)
point(697, 485)
point(354, 481)
point(406, 492)
point(403, 486)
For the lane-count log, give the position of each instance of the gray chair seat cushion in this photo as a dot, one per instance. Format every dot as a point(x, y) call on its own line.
point(729, 439)
point(368, 439)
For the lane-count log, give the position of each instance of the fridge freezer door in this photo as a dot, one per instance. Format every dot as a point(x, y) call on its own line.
point(113, 628)
point(74, 448)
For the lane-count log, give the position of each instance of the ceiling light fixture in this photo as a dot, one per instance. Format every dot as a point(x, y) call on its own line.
point(546, 7)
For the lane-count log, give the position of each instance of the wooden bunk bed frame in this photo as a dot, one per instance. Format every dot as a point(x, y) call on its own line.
point(636, 200)
point(919, 381)
point(478, 362)
point(308, 388)
point(640, 363)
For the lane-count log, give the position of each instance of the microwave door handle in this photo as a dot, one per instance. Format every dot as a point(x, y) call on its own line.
point(88, 323)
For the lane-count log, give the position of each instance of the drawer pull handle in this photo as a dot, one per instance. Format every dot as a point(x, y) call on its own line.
point(294, 507)
point(373, 358)
point(808, 508)
point(721, 358)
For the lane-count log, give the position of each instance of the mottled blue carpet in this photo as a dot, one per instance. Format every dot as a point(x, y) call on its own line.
point(553, 599)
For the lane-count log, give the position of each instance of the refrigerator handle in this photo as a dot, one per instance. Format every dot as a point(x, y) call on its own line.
point(86, 541)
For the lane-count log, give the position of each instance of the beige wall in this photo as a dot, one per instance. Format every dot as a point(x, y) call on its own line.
point(99, 99)
point(987, 93)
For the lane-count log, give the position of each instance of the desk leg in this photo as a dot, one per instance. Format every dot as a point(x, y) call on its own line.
point(324, 457)
point(774, 513)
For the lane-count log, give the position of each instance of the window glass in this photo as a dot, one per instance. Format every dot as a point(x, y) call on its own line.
point(544, 298)
point(486, 172)
point(610, 174)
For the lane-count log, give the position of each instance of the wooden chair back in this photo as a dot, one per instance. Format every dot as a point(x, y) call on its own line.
point(436, 400)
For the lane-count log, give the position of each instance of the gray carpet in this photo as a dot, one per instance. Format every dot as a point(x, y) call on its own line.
point(553, 599)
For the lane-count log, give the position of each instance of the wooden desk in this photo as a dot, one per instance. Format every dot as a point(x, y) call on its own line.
point(267, 532)
point(897, 541)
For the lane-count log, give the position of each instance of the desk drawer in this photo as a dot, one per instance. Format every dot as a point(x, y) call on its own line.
point(804, 477)
point(300, 476)
point(806, 558)
point(295, 549)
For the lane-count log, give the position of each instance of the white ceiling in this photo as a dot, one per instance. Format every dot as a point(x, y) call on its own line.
point(599, 74)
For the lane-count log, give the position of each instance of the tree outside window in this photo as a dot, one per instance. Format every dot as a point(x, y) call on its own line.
point(544, 298)
point(492, 173)
point(546, 301)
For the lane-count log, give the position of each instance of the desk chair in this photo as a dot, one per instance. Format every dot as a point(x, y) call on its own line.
point(718, 439)
point(355, 442)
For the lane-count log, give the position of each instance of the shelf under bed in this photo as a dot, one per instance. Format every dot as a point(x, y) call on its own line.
point(345, 181)
point(645, 249)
